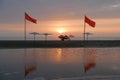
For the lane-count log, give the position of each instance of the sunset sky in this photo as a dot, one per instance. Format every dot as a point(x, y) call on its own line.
point(55, 15)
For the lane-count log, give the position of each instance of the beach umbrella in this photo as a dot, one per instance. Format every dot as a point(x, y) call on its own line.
point(87, 34)
point(46, 35)
point(34, 34)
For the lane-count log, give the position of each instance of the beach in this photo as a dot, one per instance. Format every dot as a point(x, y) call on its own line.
point(58, 44)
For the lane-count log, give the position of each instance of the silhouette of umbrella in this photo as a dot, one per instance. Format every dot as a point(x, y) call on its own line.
point(46, 35)
point(87, 34)
point(34, 34)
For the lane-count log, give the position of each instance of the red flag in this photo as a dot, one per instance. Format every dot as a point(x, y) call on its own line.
point(27, 17)
point(90, 22)
point(90, 59)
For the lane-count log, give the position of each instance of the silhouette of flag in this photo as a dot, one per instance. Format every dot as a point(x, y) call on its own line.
point(27, 17)
point(90, 59)
point(90, 22)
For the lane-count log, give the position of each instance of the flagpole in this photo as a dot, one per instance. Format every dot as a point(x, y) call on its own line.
point(84, 29)
point(27, 17)
point(25, 30)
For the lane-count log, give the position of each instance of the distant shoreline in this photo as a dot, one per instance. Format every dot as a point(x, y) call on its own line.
point(58, 44)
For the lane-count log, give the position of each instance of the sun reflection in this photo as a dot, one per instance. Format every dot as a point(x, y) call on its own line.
point(59, 55)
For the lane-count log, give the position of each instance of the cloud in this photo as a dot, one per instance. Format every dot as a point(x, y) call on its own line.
point(112, 5)
point(13, 10)
point(115, 6)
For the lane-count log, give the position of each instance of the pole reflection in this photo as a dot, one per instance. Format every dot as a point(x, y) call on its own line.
point(30, 62)
point(89, 58)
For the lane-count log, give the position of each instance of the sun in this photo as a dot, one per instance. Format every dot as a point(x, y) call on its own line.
point(61, 31)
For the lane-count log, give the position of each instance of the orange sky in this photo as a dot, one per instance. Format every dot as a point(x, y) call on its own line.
point(53, 15)
point(104, 28)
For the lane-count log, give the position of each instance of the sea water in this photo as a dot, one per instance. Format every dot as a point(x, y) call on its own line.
point(60, 64)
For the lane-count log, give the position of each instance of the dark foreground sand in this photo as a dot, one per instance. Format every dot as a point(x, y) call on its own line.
point(59, 44)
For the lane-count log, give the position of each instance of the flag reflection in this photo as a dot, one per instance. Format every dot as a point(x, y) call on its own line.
point(89, 59)
point(30, 62)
